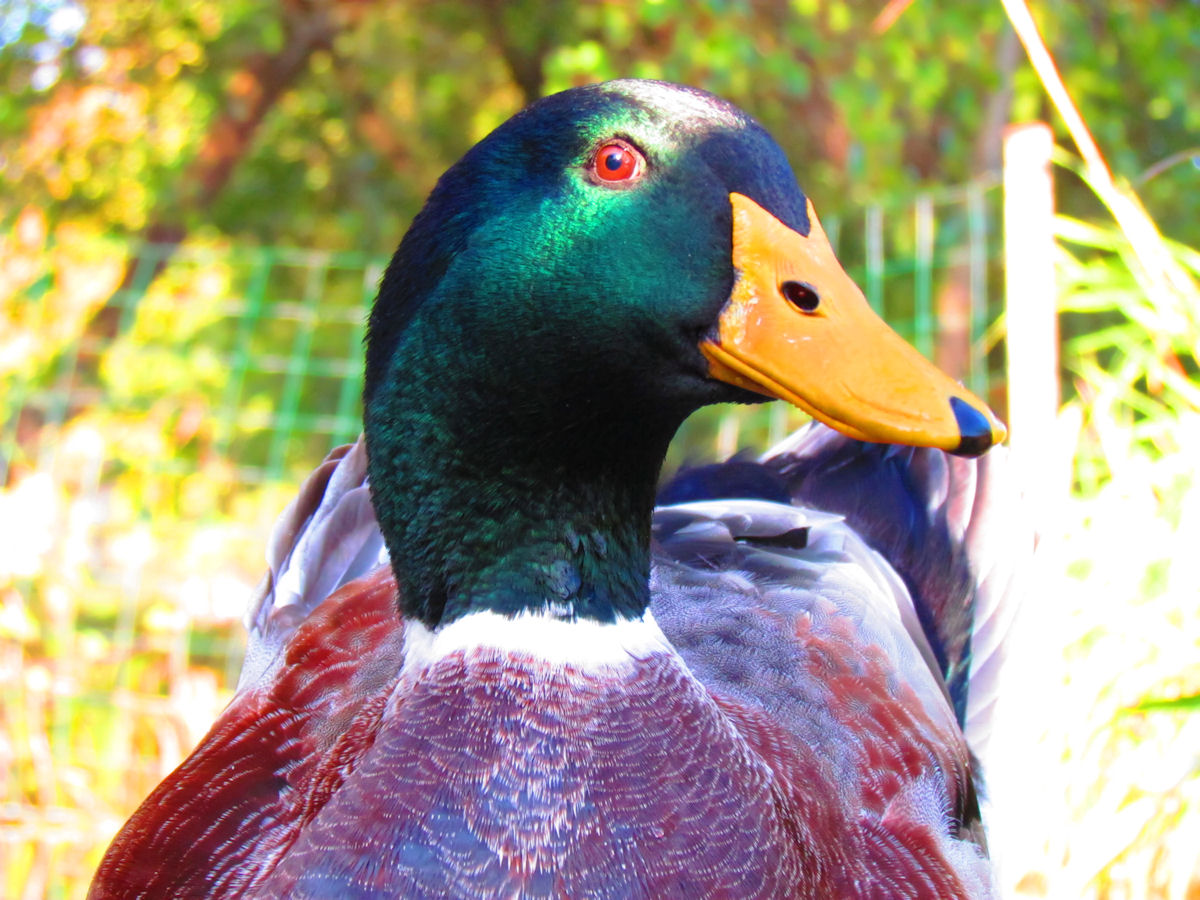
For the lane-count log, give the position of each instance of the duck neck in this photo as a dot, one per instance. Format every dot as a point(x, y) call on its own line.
point(518, 499)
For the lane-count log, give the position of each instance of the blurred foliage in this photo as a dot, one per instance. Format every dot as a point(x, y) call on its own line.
point(143, 387)
point(106, 103)
point(1132, 353)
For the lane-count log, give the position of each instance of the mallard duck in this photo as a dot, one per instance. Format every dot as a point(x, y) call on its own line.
point(482, 666)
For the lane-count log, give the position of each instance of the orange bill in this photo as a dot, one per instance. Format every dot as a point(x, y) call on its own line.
point(798, 329)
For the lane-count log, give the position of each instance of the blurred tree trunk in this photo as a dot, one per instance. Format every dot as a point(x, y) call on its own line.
point(953, 350)
point(308, 26)
point(524, 32)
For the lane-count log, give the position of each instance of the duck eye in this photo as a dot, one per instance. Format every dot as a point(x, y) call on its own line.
point(801, 295)
point(617, 161)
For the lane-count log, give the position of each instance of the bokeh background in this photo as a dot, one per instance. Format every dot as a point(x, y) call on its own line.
point(198, 199)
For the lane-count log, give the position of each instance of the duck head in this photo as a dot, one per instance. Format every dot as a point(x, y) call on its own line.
point(600, 266)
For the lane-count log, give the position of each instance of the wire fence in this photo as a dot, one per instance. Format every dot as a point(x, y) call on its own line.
point(285, 333)
point(160, 407)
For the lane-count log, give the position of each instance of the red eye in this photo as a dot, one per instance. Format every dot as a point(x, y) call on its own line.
point(617, 161)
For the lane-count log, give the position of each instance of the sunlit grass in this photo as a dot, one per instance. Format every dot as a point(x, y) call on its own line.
point(1093, 797)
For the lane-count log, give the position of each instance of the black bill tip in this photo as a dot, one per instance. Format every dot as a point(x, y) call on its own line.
point(974, 427)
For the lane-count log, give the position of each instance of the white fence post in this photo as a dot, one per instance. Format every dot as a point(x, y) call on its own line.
point(1030, 304)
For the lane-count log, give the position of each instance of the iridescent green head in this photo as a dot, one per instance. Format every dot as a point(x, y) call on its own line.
point(597, 268)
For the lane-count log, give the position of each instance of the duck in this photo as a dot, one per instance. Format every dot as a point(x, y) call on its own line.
point(482, 662)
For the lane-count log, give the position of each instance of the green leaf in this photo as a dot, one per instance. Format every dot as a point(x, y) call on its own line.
point(1189, 703)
